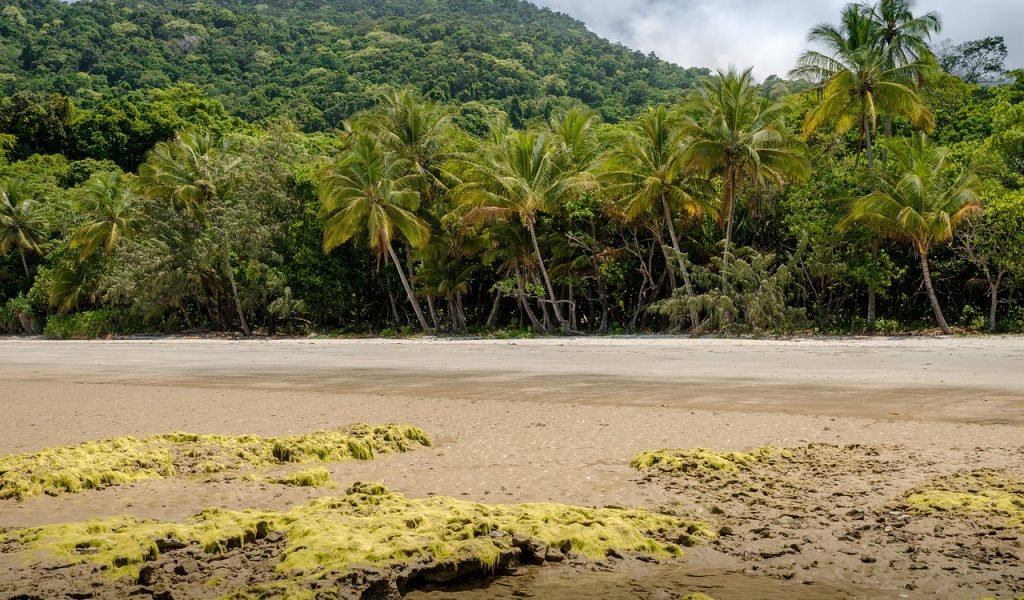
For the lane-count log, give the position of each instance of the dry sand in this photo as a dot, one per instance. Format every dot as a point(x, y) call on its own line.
point(558, 420)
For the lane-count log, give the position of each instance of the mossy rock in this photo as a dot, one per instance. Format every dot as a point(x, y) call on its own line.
point(317, 477)
point(370, 527)
point(702, 462)
point(983, 492)
point(99, 464)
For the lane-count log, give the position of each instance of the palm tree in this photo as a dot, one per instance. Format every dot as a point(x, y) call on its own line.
point(108, 204)
point(646, 170)
point(517, 174)
point(22, 223)
point(921, 204)
point(857, 77)
point(188, 172)
point(741, 137)
point(374, 190)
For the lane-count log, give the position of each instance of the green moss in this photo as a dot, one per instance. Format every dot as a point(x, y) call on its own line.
point(317, 477)
point(371, 526)
point(99, 464)
point(701, 462)
point(981, 492)
point(696, 596)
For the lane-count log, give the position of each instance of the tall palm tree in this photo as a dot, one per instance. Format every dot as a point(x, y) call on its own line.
point(109, 205)
point(738, 135)
point(374, 190)
point(189, 172)
point(22, 223)
point(517, 174)
point(921, 204)
point(857, 78)
point(646, 171)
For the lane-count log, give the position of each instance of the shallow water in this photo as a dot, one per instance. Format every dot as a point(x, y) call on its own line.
point(641, 582)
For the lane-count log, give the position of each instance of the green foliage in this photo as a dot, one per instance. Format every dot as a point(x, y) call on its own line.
point(82, 326)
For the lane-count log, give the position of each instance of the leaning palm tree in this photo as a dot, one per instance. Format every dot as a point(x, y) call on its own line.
point(517, 174)
point(109, 205)
point(645, 170)
point(189, 173)
point(374, 190)
point(741, 137)
point(857, 78)
point(922, 204)
point(22, 223)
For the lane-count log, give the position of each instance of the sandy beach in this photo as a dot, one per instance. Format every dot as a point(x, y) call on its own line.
point(559, 420)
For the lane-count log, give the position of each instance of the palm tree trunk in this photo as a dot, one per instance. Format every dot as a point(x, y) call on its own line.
point(547, 280)
point(872, 294)
point(731, 202)
point(234, 293)
point(433, 312)
point(408, 290)
point(923, 252)
point(493, 317)
point(679, 257)
point(461, 311)
point(24, 263)
point(525, 304)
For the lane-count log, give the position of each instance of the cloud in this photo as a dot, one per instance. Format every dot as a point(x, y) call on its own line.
point(768, 34)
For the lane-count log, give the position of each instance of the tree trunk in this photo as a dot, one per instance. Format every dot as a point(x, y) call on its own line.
point(461, 312)
point(994, 302)
point(679, 257)
point(731, 192)
point(234, 293)
point(872, 295)
point(408, 290)
point(547, 281)
point(24, 263)
point(433, 313)
point(493, 316)
point(868, 142)
point(525, 304)
point(923, 252)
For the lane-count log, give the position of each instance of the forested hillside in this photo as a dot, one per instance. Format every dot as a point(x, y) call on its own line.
point(490, 166)
point(319, 62)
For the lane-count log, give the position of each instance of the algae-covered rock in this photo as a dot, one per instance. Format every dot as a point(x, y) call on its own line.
point(369, 530)
point(983, 492)
point(701, 462)
point(99, 464)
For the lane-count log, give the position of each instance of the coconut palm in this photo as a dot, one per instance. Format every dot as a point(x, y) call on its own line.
point(518, 174)
point(645, 170)
point(904, 37)
point(858, 77)
point(189, 172)
point(22, 223)
point(741, 137)
point(109, 205)
point(922, 204)
point(374, 190)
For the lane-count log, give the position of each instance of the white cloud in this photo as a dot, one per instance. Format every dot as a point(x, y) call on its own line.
point(768, 34)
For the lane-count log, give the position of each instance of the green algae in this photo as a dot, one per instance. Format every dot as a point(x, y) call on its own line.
point(317, 477)
point(981, 492)
point(702, 462)
point(116, 461)
point(369, 526)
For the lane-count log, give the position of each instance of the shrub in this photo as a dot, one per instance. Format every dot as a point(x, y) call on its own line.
point(81, 326)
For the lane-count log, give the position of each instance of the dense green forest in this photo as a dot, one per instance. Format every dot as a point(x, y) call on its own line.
point(492, 166)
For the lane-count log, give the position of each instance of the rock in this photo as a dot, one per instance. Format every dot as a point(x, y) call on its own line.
point(186, 566)
point(554, 555)
point(146, 575)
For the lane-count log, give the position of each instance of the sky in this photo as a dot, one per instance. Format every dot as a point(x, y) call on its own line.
point(767, 34)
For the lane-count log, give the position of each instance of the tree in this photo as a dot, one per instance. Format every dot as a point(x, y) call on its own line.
point(108, 202)
point(374, 190)
point(976, 61)
point(860, 74)
point(646, 171)
point(921, 204)
point(994, 243)
point(517, 174)
point(22, 222)
point(188, 172)
point(736, 134)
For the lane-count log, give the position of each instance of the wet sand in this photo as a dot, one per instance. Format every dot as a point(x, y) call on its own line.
point(540, 420)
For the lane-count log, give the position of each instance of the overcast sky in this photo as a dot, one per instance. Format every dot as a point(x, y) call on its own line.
point(768, 34)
